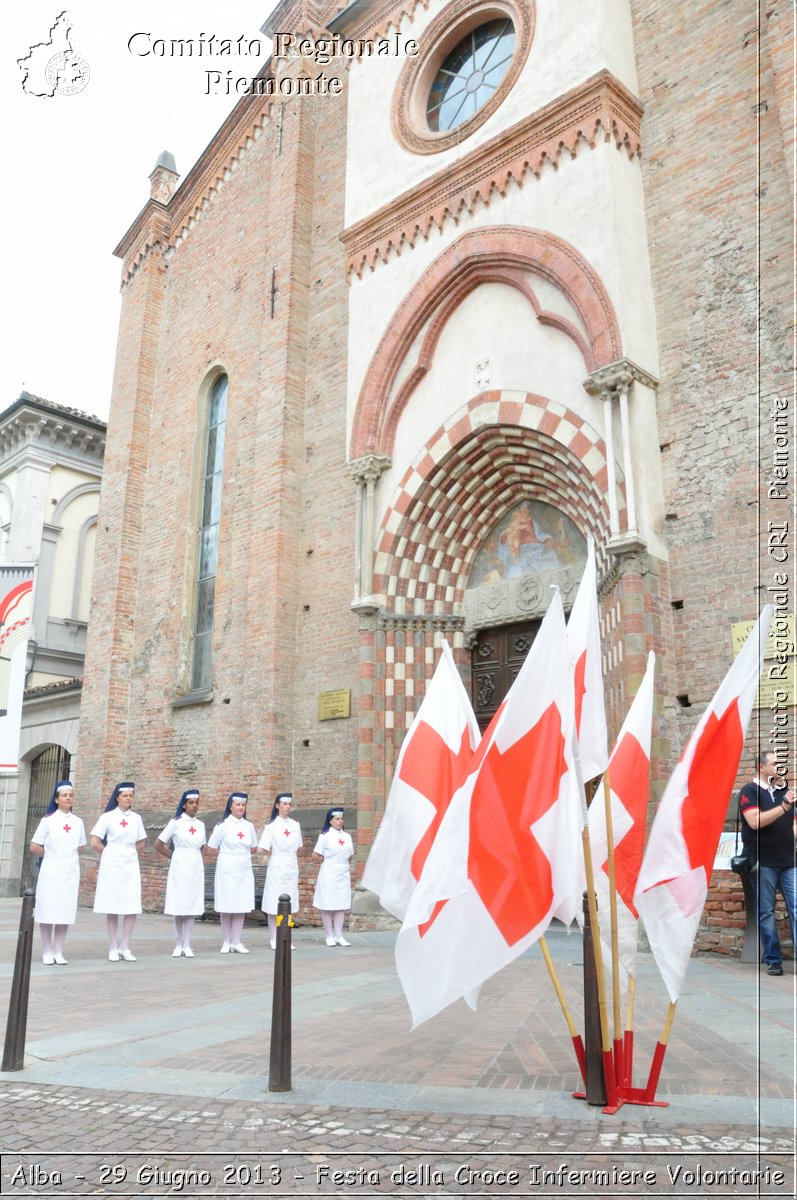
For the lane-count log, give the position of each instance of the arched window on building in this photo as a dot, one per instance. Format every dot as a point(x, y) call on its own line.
point(208, 537)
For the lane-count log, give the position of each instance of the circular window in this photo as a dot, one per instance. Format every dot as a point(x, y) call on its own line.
point(470, 56)
point(470, 75)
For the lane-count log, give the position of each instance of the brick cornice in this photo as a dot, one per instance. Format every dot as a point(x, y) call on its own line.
point(374, 20)
point(600, 109)
point(159, 225)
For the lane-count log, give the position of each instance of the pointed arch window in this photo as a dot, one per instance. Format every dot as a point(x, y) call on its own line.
point(208, 537)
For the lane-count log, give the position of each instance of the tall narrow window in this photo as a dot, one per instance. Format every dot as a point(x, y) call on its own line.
point(209, 536)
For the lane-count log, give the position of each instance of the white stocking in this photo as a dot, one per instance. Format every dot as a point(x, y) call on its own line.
point(128, 925)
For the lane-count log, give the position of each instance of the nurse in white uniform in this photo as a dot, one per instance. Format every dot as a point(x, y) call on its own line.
point(58, 836)
point(333, 886)
point(281, 840)
point(234, 840)
point(118, 836)
point(181, 842)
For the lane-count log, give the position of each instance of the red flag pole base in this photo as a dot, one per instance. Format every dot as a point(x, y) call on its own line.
point(619, 1062)
point(581, 1058)
point(625, 1094)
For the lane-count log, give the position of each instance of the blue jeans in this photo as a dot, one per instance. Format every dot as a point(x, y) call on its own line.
point(766, 881)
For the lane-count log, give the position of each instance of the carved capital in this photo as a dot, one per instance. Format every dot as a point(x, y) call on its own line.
point(617, 377)
point(369, 468)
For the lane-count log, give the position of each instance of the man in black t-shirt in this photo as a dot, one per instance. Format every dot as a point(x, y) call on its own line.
point(768, 833)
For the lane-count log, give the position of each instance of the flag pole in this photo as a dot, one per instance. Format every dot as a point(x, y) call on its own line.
point(592, 904)
point(618, 1037)
point(628, 1041)
point(575, 1036)
point(658, 1054)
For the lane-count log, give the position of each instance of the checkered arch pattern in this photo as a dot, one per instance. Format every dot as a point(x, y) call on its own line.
point(501, 448)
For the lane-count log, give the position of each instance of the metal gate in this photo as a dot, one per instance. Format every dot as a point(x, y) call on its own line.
point(45, 771)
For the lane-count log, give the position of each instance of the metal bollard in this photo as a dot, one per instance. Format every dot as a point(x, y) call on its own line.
point(595, 1083)
point(14, 1050)
point(279, 1071)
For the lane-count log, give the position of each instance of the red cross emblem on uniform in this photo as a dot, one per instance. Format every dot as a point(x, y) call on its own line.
point(341, 842)
point(191, 829)
point(241, 834)
point(287, 832)
point(67, 828)
point(123, 824)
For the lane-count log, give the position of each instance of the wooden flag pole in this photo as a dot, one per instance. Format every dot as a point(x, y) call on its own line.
point(618, 1037)
point(575, 1036)
point(628, 1040)
point(658, 1054)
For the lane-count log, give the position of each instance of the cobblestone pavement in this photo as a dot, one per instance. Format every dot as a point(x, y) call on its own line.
point(132, 1145)
point(151, 1079)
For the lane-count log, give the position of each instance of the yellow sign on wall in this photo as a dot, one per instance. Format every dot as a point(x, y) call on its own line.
point(779, 676)
point(334, 705)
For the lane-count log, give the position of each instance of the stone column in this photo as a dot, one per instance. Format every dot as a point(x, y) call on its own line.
point(366, 472)
point(614, 385)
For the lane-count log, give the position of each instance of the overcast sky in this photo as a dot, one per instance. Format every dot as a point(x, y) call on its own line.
point(78, 175)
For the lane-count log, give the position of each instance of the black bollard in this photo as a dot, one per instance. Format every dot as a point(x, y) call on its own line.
point(595, 1083)
point(14, 1050)
point(279, 1071)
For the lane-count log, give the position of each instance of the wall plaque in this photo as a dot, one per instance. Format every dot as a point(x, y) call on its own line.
point(334, 705)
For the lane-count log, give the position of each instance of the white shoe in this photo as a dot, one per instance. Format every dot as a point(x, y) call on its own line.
point(225, 948)
point(59, 959)
point(113, 956)
point(48, 960)
point(177, 952)
point(127, 955)
point(188, 952)
point(331, 941)
point(239, 949)
point(273, 945)
point(342, 942)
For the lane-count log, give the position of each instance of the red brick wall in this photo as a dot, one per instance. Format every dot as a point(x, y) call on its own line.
point(283, 630)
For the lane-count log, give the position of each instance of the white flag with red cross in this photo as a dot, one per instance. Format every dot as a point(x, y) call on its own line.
point(433, 761)
point(584, 642)
point(505, 859)
point(629, 775)
point(679, 857)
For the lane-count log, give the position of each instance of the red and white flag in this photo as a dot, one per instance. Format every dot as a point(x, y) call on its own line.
point(433, 761)
point(584, 643)
point(673, 882)
point(505, 859)
point(629, 774)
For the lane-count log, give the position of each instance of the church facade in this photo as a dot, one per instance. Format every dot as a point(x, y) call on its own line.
point(392, 351)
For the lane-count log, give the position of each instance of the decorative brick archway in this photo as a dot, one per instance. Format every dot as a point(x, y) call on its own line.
point(504, 255)
point(499, 447)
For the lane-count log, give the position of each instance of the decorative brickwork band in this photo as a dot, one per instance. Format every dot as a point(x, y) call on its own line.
point(598, 111)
